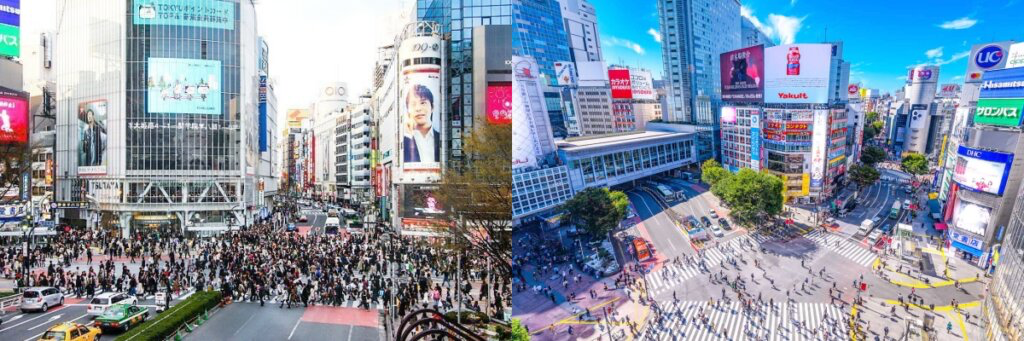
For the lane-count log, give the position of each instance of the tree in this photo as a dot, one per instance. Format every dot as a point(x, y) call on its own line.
point(871, 116)
point(711, 172)
point(477, 199)
point(752, 196)
point(914, 163)
point(878, 125)
point(864, 175)
point(597, 210)
point(515, 332)
point(872, 155)
point(870, 133)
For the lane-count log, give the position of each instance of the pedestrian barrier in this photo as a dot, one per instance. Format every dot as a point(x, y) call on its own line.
point(10, 301)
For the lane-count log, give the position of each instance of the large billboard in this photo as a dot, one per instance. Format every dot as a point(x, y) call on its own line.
point(1016, 56)
point(755, 140)
point(420, 104)
point(797, 73)
point(988, 56)
point(14, 118)
point(194, 13)
point(982, 170)
point(1002, 83)
point(183, 86)
point(949, 90)
point(999, 111)
point(421, 202)
point(92, 137)
point(641, 84)
point(971, 217)
point(499, 103)
point(565, 73)
point(620, 83)
point(10, 12)
point(10, 40)
point(728, 114)
point(741, 72)
point(819, 147)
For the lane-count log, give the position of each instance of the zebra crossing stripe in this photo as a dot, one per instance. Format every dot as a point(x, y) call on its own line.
point(736, 323)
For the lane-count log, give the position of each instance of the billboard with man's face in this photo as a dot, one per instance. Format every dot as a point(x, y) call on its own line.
point(420, 104)
point(92, 137)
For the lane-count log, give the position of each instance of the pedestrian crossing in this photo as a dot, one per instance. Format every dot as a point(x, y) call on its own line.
point(672, 274)
point(846, 248)
point(783, 321)
point(345, 304)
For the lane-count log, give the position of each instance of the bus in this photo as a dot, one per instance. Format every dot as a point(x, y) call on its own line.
point(895, 211)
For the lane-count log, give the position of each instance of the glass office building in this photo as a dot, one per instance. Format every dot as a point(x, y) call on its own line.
point(157, 118)
point(542, 34)
point(1002, 310)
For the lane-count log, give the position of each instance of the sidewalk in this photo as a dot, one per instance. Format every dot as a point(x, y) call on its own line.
point(877, 312)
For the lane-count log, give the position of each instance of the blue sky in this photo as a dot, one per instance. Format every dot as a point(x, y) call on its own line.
point(881, 38)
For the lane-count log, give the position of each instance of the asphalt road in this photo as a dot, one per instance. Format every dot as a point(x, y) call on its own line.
point(249, 321)
point(667, 238)
point(18, 326)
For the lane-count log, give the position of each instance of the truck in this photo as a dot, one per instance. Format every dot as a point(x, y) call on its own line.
point(332, 225)
point(866, 225)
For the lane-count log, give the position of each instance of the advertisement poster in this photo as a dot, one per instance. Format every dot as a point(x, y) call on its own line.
point(421, 202)
point(10, 12)
point(183, 86)
point(641, 84)
point(755, 140)
point(819, 146)
point(620, 83)
point(1016, 56)
point(194, 13)
point(999, 111)
point(264, 139)
point(420, 104)
point(10, 41)
point(797, 73)
point(92, 137)
point(918, 116)
point(1003, 83)
point(949, 90)
point(14, 118)
point(728, 114)
point(565, 73)
point(982, 170)
point(988, 56)
point(971, 217)
point(741, 72)
point(499, 103)
point(524, 145)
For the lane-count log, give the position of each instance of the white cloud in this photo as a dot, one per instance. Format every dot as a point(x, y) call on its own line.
point(786, 27)
point(613, 41)
point(934, 53)
point(957, 77)
point(958, 24)
point(746, 12)
point(654, 34)
point(953, 58)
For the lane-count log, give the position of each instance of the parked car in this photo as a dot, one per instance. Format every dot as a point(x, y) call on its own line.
point(717, 231)
point(101, 302)
point(694, 223)
point(706, 221)
point(714, 215)
point(725, 224)
point(41, 299)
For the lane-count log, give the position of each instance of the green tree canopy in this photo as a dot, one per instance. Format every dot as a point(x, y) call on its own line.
point(597, 210)
point(871, 116)
point(752, 196)
point(869, 133)
point(872, 155)
point(864, 175)
point(878, 125)
point(914, 163)
point(711, 172)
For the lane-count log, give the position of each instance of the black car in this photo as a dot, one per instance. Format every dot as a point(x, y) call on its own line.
point(725, 224)
point(706, 221)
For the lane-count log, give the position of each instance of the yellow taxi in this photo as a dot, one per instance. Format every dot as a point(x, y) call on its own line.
point(71, 331)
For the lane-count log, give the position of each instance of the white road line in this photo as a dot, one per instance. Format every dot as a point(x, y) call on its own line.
point(32, 319)
point(243, 324)
point(52, 318)
point(293, 328)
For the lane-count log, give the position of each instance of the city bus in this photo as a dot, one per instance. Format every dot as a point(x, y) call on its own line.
point(895, 211)
point(642, 253)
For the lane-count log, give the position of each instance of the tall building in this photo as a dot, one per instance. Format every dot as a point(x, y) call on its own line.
point(157, 126)
point(542, 35)
point(920, 92)
point(1001, 310)
point(751, 35)
point(694, 33)
point(331, 100)
point(351, 161)
point(581, 28)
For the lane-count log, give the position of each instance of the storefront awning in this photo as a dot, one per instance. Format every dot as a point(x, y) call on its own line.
point(940, 226)
point(968, 249)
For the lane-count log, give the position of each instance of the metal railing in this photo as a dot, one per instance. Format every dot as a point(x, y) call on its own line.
point(10, 301)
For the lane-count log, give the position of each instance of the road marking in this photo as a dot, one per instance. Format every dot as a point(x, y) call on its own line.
point(960, 321)
point(293, 328)
point(54, 317)
point(350, 332)
point(34, 318)
point(243, 324)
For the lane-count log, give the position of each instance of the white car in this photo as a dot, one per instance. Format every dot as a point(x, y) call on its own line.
point(906, 204)
point(101, 302)
point(41, 299)
point(717, 231)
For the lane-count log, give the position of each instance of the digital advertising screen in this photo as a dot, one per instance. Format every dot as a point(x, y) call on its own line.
point(14, 118)
point(741, 72)
point(565, 73)
point(420, 104)
point(10, 40)
point(421, 202)
point(982, 170)
point(797, 73)
point(971, 217)
point(194, 13)
point(621, 84)
point(728, 114)
point(92, 136)
point(499, 103)
point(183, 86)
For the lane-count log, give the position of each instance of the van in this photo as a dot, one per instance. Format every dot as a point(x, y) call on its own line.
point(866, 225)
point(332, 225)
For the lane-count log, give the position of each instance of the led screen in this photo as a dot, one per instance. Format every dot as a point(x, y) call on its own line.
point(184, 86)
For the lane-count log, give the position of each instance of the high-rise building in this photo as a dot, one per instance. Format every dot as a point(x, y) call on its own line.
point(920, 92)
point(331, 100)
point(1001, 310)
point(157, 125)
point(541, 34)
point(581, 28)
point(351, 161)
point(751, 35)
point(694, 34)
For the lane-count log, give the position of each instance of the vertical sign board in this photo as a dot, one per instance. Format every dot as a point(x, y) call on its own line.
point(420, 105)
point(819, 147)
point(263, 114)
point(622, 87)
point(755, 140)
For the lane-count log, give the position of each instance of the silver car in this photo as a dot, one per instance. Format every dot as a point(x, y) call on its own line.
point(41, 299)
